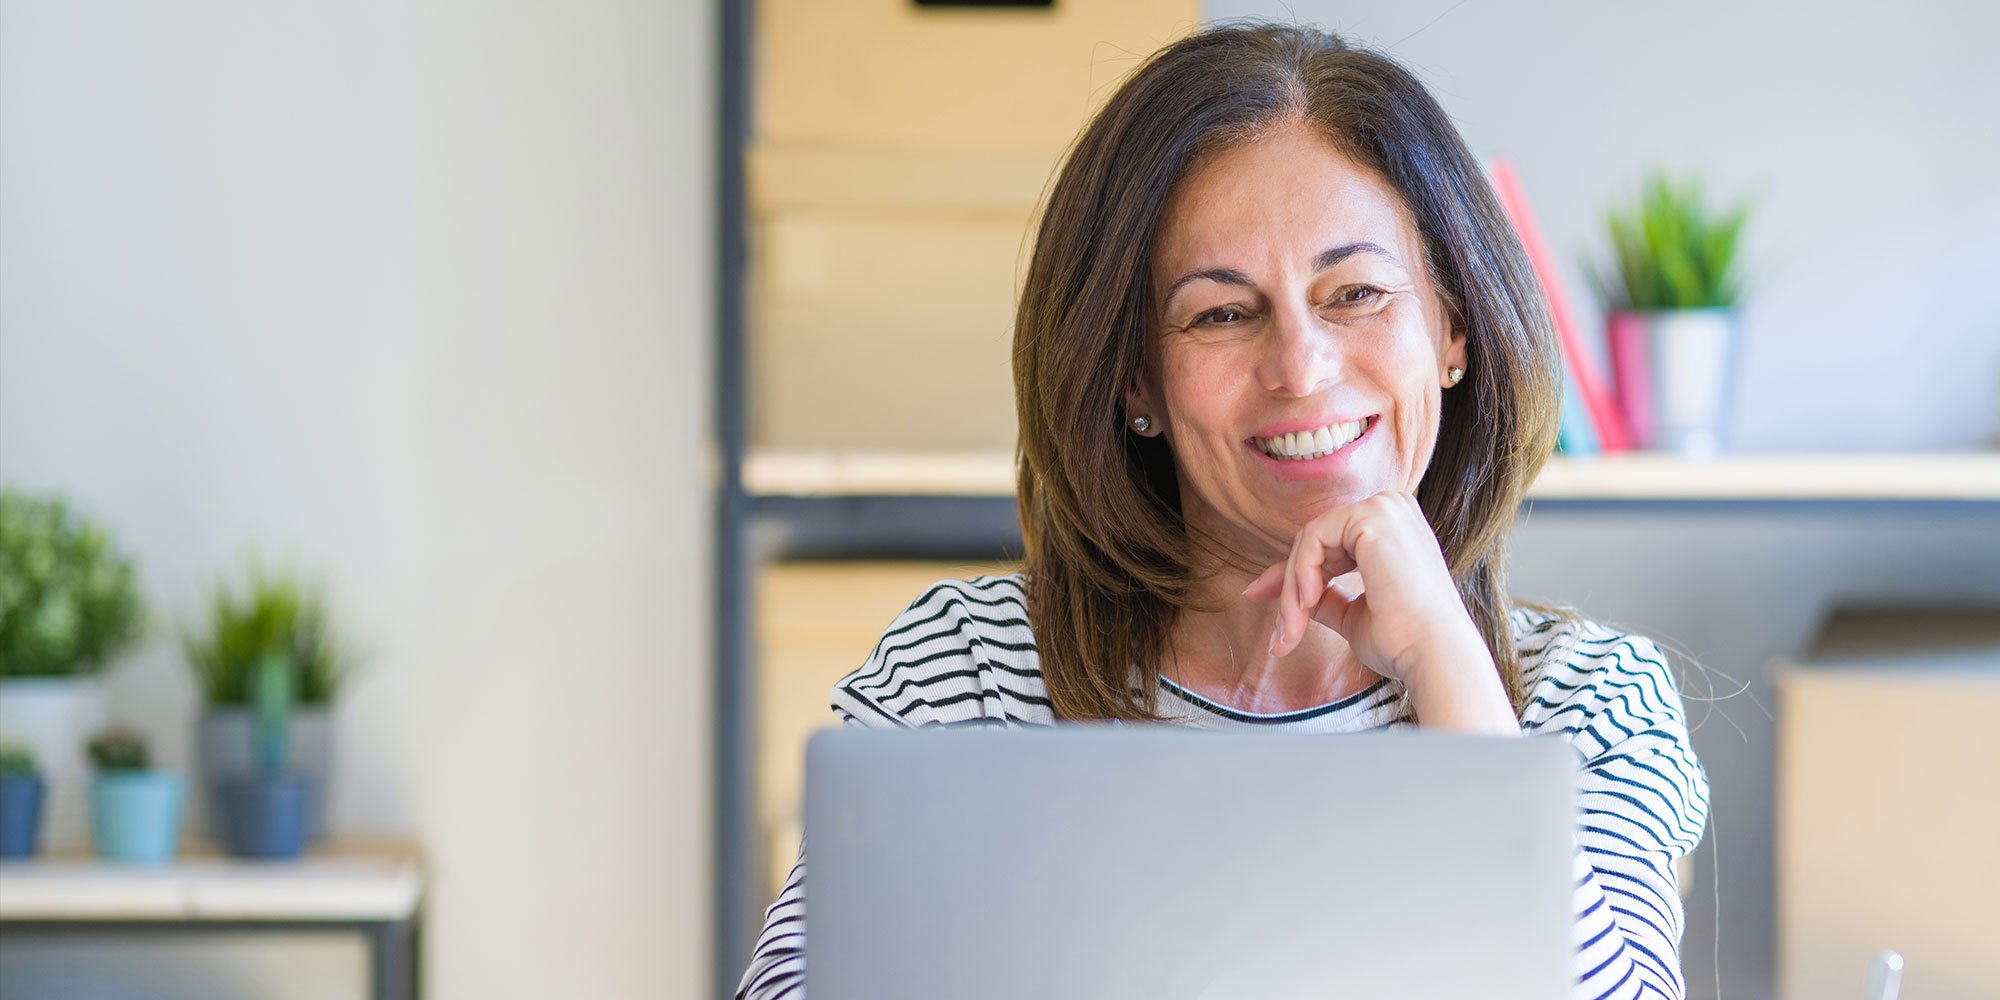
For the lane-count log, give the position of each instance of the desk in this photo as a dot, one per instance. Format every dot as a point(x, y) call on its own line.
point(375, 889)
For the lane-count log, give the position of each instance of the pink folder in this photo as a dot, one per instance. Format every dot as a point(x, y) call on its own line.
point(1612, 434)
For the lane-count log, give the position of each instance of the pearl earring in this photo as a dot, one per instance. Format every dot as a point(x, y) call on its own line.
point(1452, 375)
point(1142, 424)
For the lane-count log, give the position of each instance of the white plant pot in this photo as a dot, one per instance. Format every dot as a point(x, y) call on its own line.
point(1691, 358)
point(56, 717)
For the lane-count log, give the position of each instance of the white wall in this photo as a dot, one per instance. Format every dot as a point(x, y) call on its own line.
point(1864, 130)
point(418, 294)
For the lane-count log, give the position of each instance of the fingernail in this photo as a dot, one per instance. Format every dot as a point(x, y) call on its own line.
point(1277, 635)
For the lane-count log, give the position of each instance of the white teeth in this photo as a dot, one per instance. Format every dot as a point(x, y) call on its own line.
point(1316, 443)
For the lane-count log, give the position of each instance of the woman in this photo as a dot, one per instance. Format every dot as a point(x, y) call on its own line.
point(1283, 376)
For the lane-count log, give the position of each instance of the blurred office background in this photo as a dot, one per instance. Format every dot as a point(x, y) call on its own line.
point(417, 296)
point(623, 368)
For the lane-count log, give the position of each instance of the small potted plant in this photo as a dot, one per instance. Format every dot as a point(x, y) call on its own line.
point(1670, 299)
point(135, 810)
point(69, 605)
point(21, 790)
point(268, 814)
point(275, 615)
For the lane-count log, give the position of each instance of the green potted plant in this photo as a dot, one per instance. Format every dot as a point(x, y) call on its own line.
point(135, 809)
point(21, 789)
point(69, 605)
point(1671, 293)
point(276, 615)
point(268, 813)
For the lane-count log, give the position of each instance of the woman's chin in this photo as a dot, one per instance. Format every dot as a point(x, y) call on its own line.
point(1335, 497)
point(1311, 497)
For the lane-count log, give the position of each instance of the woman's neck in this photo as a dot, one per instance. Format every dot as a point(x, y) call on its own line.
point(1224, 654)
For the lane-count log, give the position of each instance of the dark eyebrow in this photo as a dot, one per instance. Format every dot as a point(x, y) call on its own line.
point(1231, 276)
point(1220, 275)
point(1330, 257)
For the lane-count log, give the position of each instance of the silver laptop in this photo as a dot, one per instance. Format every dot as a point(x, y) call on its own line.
point(1151, 863)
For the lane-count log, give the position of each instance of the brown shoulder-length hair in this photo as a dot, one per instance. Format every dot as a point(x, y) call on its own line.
point(1110, 563)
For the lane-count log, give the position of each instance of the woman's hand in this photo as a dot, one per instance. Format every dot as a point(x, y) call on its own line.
point(1405, 620)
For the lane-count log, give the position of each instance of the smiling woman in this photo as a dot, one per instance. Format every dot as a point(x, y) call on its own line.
point(1264, 234)
point(1283, 376)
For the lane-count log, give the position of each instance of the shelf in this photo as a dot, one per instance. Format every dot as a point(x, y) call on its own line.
point(1885, 476)
point(1941, 476)
point(848, 473)
point(349, 882)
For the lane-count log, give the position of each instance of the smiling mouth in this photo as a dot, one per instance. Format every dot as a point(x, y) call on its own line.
point(1304, 446)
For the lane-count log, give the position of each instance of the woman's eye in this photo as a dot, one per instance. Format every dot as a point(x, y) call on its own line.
point(1357, 294)
point(1222, 316)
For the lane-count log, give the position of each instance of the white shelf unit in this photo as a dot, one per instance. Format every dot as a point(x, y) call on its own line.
point(1636, 476)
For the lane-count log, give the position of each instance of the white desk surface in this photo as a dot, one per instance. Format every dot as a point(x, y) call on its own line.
point(376, 881)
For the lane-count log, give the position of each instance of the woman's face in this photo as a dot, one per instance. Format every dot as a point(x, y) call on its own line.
point(1301, 350)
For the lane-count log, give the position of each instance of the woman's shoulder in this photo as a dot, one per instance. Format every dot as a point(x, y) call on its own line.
point(1600, 684)
point(1610, 694)
point(962, 654)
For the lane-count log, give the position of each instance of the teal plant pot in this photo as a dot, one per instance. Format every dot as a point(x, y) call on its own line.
point(136, 815)
point(20, 814)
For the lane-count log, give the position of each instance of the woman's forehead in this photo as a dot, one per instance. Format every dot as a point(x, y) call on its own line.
point(1279, 200)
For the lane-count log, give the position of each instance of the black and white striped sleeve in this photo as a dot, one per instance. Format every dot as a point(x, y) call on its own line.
point(1643, 801)
point(778, 964)
point(960, 655)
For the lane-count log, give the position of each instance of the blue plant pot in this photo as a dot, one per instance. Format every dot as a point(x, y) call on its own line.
point(136, 815)
point(20, 814)
point(267, 817)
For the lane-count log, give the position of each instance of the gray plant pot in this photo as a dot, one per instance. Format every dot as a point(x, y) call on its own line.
point(228, 741)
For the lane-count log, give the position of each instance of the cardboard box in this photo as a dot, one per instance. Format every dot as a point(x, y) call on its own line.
point(1889, 804)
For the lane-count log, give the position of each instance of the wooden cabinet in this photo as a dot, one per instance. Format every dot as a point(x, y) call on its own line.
point(889, 75)
point(1888, 807)
point(898, 156)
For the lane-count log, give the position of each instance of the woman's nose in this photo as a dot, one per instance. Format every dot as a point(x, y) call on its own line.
point(1299, 355)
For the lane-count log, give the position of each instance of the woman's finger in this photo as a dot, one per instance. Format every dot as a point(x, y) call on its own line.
point(1301, 579)
point(1271, 583)
point(1319, 555)
point(1336, 607)
point(1287, 597)
point(1329, 601)
point(1267, 585)
point(1305, 589)
point(1346, 614)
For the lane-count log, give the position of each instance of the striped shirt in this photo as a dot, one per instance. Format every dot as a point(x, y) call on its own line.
point(962, 655)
